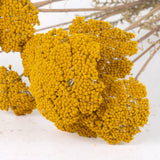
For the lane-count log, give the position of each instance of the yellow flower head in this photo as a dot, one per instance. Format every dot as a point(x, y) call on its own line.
point(124, 110)
point(14, 93)
point(17, 21)
point(78, 80)
point(115, 45)
point(64, 77)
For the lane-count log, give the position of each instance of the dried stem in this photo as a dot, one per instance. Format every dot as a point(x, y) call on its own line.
point(110, 11)
point(98, 15)
point(93, 14)
point(53, 26)
point(142, 54)
point(105, 16)
point(136, 23)
point(43, 3)
point(71, 10)
point(21, 75)
point(147, 62)
point(125, 6)
point(149, 22)
point(148, 34)
point(61, 24)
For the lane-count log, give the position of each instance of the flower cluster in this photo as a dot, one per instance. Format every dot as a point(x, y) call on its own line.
point(17, 21)
point(115, 45)
point(66, 87)
point(78, 80)
point(14, 93)
point(124, 110)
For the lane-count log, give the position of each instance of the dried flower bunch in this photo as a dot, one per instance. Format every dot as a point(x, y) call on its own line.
point(85, 90)
point(17, 21)
point(14, 93)
point(77, 78)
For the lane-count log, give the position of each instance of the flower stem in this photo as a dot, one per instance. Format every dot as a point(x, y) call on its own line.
point(147, 62)
point(125, 6)
point(149, 22)
point(142, 54)
point(148, 34)
point(53, 26)
point(62, 24)
point(21, 75)
point(137, 23)
point(43, 3)
point(111, 14)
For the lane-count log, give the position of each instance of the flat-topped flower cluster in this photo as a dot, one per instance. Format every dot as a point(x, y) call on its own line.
point(77, 78)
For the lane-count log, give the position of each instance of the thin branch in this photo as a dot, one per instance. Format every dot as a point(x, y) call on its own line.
point(136, 23)
point(28, 92)
point(62, 24)
point(98, 14)
point(43, 3)
point(53, 26)
point(149, 22)
point(147, 62)
point(71, 10)
point(93, 14)
point(108, 9)
point(20, 76)
point(1, 51)
point(148, 34)
point(105, 16)
point(127, 5)
point(142, 54)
